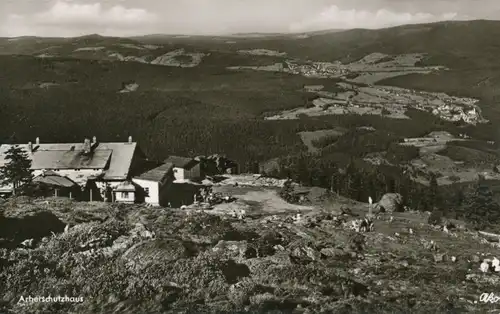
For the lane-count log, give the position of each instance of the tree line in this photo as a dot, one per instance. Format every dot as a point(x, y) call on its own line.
point(358, 180)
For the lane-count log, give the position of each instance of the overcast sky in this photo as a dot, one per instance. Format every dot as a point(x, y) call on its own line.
point(127, 17)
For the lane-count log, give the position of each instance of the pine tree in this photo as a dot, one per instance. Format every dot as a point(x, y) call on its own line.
point(318, 174)
point(404, 189)
point(420, 200)
point(354, 187)
point(390, 185)
point(17, 171)
point(459, 197)
point(433, 198)
point(287, 192)
point(303, 173)
point(350, 172)
point(335, 180)
point(371, 186)
point(381, 179)
point(284, 167)
point(480, 207)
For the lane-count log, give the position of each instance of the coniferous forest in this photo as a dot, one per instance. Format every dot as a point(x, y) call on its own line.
point(202, 118)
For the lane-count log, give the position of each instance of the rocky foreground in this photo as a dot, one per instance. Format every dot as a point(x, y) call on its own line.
point(130, 259)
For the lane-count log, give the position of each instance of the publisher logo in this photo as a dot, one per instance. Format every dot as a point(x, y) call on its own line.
point(489, 298)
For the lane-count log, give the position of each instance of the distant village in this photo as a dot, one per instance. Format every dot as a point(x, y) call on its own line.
point(360, 93)
point(109, 172)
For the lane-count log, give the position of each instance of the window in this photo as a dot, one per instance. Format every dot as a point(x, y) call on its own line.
point(124, 194)
point(146, 190)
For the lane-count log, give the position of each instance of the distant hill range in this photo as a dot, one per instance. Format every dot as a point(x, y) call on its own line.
point(457, 44)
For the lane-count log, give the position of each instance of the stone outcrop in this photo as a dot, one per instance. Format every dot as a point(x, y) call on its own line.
point(15, 230)
point(390, 202)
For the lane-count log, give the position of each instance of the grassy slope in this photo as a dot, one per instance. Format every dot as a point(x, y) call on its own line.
point(181, 271)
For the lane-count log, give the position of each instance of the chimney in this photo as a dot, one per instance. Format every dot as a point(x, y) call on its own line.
point(30, 147)
point(37, 141)
point(130, 139)
point(86, 146)
point(94, 143)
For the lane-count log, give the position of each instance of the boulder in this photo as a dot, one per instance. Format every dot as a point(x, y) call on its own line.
point(332, 252)
point(390, 202)
point(141, 232)
point(156, 252)
point(431, 245)
point(33, 226)
point(305, 254)
point(439, 257)
point(404, 263)
point(232, 249)
point(484, 267)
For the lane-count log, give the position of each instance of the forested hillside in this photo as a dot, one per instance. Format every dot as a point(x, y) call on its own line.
point(68, 89)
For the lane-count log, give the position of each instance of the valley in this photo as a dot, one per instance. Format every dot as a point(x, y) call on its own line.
point(366, 171)
point(208, 75)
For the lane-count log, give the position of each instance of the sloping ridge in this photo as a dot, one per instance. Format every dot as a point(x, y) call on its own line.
point(455, 38)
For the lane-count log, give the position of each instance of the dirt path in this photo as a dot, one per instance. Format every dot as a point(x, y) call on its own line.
point(256, 201)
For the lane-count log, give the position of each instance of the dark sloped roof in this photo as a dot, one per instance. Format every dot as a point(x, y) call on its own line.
point(65, 156)
point(125, 187)
point(181, 162)
point(67, 159)
point(55, 180)
point(157, 174)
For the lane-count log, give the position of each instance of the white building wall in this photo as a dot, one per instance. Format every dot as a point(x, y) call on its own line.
point(179, 173)
point(119, 197)
point(182, 174)
point(153, 189)
point(6, 189)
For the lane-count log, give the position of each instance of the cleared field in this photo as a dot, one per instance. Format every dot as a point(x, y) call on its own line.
point(372, 78)
point(308, 138)
point(263, 52)
point(179, 58)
